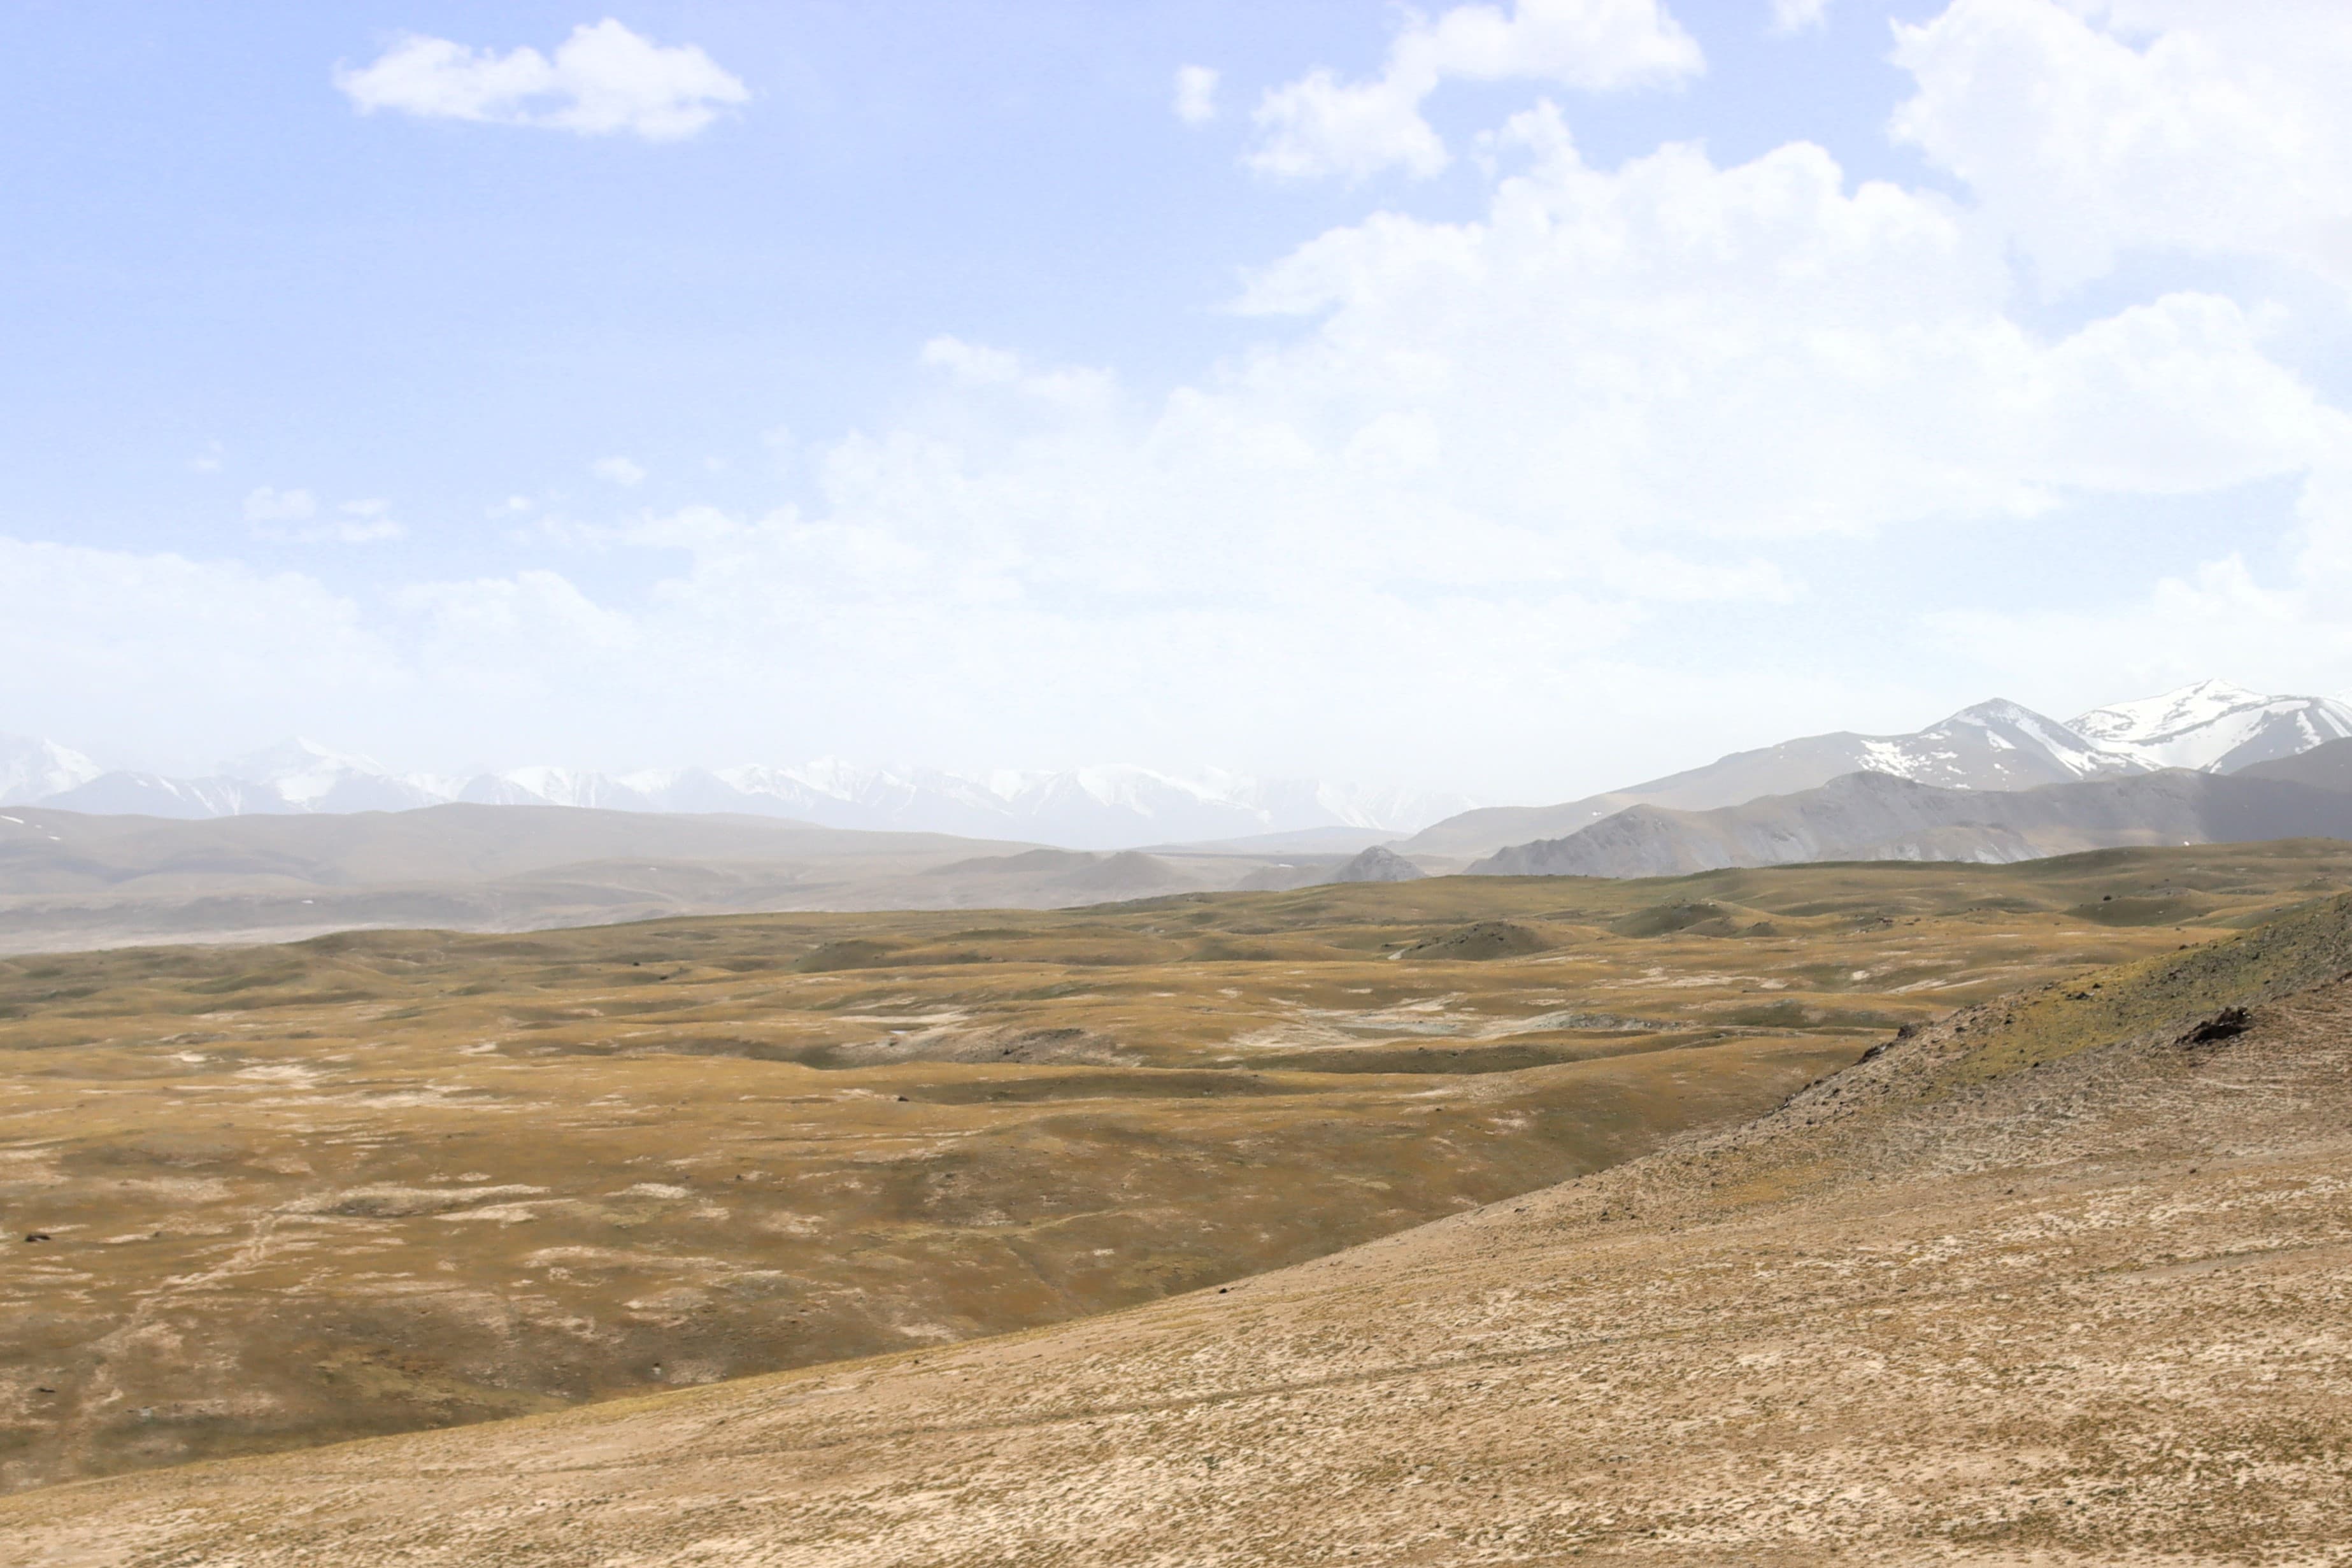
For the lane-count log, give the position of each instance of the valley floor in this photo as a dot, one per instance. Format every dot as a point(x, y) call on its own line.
point(2043, 1283)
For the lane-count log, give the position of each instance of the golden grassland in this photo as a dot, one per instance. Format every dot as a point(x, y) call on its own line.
point(2015, 1288)
point(385, 1181)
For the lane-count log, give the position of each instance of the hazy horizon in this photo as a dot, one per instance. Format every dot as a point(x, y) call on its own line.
point(1515, 402)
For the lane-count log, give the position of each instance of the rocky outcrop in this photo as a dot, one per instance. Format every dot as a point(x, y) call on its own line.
point(1379, 865)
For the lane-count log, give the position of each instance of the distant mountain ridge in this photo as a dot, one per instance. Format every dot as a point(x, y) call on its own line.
point(2214, 726)
point(1878, 817)
point(1090, 808)
point(1999, 745)
point(30, 770)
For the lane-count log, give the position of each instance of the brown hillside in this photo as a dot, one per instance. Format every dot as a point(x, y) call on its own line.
point(2059, 1279)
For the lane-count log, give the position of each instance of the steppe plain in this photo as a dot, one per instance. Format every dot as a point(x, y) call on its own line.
point(72, 880)
point(2032, 1279)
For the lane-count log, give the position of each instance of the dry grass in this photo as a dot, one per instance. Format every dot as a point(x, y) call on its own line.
point(382, 1182)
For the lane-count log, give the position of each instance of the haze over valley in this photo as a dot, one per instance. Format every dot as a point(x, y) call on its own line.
point(295, 849)
point(2211, 726)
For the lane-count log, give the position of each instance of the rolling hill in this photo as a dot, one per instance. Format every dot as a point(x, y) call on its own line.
point(74, 880)
point(2057, 1280)
point(391, 1180)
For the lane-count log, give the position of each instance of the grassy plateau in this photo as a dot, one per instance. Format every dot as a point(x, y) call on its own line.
point(268, 1197)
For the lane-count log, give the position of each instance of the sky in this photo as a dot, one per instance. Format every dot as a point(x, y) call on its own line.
point(1516, 400)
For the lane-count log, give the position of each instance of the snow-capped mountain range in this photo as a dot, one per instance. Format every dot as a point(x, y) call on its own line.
point(1095, 807)
point(1997, 746)
point(2212, 726)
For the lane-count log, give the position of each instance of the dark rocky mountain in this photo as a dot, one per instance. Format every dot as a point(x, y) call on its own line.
point(1996, 745)
point(2322, 767)
point(1379, 864)
point(2211, 726)
point(1876, 816)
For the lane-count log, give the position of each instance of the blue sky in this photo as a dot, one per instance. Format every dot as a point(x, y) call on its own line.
point(1517, 400)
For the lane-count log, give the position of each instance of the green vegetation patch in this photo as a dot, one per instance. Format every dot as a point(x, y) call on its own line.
point(2304, 947)
point(1479, 940)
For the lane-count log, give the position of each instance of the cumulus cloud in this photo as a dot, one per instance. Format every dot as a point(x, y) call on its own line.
point(1196, 94)
point(1759, 351)
point(2087, 130)
point(1322, 125)
point(601, 80)
point(618, 472)
point(2218, 616)
point(1472, 470)
point(1796, 15)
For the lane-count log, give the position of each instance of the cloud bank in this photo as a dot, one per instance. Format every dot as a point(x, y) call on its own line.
point(1514, 503)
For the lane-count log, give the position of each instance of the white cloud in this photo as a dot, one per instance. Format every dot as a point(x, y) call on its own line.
point(290, 517)
point(365, 521)
point(618, 472)
point(1525, 503)
point(186, 654)
point(1756, 349)
point(1796, 15)
point(2108, 125)
point(269, 504)
point(1489, 463)
point(1196, 94)
point(602, 79)
point(500, 633)
point(210, 460)
point(1320, 125)
point(2289, 638)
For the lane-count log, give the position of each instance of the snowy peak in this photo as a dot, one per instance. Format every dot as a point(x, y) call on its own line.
point(31, 769)
point(2173, 712)
point(303, 776)
point(2214, 726)
point(556, 786)
point(1994, 745)
point(1998, 744)
point(299, 758)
